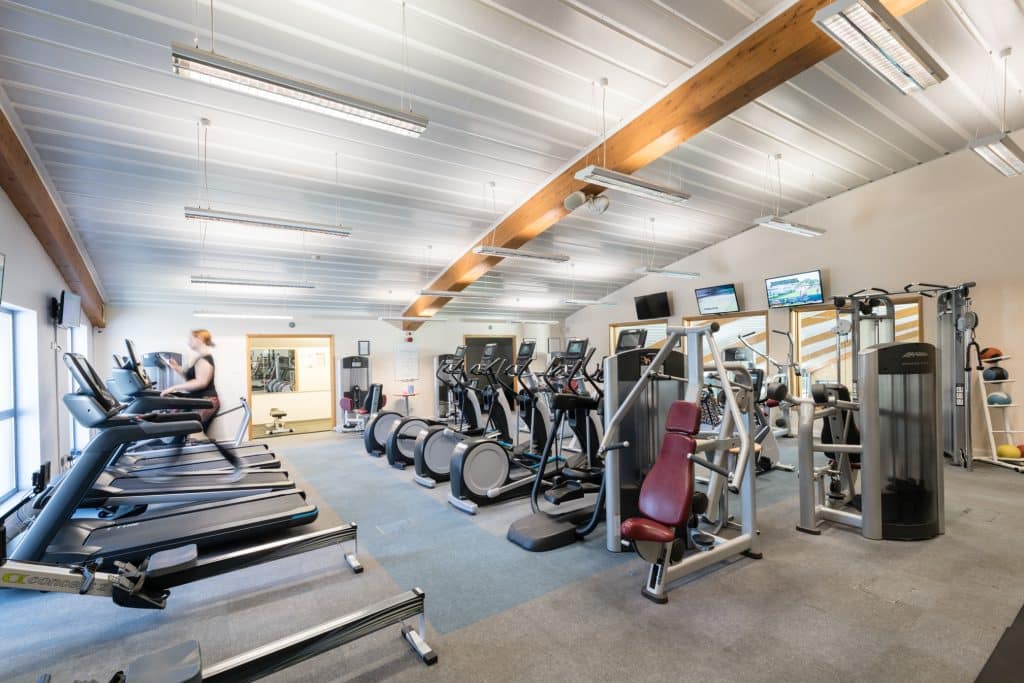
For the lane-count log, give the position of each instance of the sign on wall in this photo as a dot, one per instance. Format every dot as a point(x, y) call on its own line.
point(407, 363)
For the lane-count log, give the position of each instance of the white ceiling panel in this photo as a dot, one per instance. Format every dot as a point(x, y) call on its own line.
point(511, 91)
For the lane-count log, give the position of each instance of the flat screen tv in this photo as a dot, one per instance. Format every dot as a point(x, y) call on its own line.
point(799, 289)
point(651, 306)
point(717, 299)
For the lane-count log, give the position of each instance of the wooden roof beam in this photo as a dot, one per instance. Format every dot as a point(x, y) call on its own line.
point(27, 191)
point(775, 52)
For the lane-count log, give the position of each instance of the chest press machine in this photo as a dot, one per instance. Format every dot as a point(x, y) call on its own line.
point(668, 531)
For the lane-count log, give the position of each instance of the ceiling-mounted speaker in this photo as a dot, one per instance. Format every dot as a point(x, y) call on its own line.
point(574, 201)
point(597, 205)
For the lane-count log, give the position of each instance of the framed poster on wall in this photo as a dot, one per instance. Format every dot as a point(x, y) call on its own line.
point(363, 347)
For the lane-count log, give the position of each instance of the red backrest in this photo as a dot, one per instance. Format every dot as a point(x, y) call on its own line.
point(668, 488)
point(383, 400)
point(347, 404)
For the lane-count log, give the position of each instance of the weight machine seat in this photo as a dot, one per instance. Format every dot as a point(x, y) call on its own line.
point(667, 492)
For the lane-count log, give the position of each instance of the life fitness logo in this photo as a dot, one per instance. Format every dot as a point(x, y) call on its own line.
point(915, 354)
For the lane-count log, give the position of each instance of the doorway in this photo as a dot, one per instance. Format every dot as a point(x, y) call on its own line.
point(291, 384)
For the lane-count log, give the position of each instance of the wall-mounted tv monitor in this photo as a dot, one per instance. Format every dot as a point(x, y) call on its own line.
point(799, 289)
point(3, 259)
point(651, 306)
point(69, 312)
point(718, 299)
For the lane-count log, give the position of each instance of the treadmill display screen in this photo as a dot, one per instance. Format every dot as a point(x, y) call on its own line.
point(460, 352)
point(488, 354)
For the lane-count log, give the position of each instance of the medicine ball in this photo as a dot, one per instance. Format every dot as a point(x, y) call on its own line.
point(998, 398)
point(1007, 450)
point(995, 374)
point(990, 352)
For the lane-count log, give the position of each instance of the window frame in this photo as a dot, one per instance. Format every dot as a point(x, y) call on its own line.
point(12, 412)
point(794, 324)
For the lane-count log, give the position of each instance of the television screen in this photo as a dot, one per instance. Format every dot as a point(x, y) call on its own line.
point(70, 310)
point(795, 290)
point(652, 306)
point(2, 260)
point(718, 299)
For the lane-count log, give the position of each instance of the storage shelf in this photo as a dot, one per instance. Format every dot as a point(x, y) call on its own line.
point(1008, 431)
point(995, 360)
point(999, 381)
point(1003, 405)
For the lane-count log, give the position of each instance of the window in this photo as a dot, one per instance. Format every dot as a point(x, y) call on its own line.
point(8, 432)
point(728, 336)
point(657, 331)
point(815, 333)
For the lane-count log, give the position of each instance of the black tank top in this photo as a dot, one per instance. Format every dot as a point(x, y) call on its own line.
point(190, 374)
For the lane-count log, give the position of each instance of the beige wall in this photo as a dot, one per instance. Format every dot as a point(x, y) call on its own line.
point(30, 281)
point(952, 220)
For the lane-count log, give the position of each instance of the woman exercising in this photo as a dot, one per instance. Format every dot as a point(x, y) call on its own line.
point(199, 384)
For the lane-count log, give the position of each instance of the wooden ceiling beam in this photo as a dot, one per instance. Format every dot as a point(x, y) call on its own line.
point(783, 47)
point(28, 193)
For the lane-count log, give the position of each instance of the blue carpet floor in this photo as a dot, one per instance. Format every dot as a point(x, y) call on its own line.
point(468, 572)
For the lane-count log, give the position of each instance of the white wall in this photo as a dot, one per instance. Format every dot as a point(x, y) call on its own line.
point(167, 328)
point(30, 281)
point(952, 220)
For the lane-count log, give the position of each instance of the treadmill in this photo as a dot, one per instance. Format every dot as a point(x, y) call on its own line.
point(130, 384)
point(56, 535)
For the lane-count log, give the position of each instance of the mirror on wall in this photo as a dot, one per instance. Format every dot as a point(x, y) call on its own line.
point(291, 384)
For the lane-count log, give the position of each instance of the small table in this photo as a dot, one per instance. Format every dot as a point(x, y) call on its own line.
point(407, 397)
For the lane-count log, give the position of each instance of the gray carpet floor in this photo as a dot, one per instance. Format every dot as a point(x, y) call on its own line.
point(831, 607)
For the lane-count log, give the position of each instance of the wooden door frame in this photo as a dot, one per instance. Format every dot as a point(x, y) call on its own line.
point(248, 368)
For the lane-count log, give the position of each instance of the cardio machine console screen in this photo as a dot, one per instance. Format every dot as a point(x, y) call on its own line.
point(526, 351)
point(718, 299)
point(799, 289)
point(460, 353)
point(576, 348)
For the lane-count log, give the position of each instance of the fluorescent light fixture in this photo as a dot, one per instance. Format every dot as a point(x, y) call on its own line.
point(685, 275)
point(509, 321)
point(586, 302)
point(624, 182)
point(868, 31)
point(776, 223)
point(195, 213)
point(240, 316)
point(242, 282)
point(213, 69)
point(1002, 153)
point(519, 253)
point(451, 294)
point(410, 318)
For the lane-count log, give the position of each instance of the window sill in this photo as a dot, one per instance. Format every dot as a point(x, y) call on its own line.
point(13, 501)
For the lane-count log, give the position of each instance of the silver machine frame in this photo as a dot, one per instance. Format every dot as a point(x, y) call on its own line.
point(816, 506)
point(739, 479)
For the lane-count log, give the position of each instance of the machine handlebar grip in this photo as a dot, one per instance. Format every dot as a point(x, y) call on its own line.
point(697, 460)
